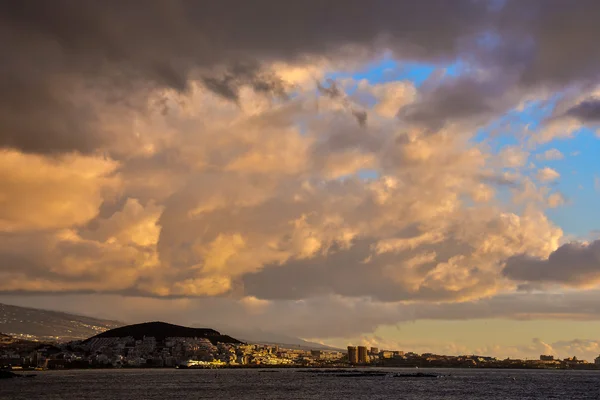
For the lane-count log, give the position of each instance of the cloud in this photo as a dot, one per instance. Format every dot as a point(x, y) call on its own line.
point(513, 157)
point(550, 155)
point(69, 77)
point(572, 264)
point(439, 267)
point(334, 93)
point(134, 224)
point(586, 111)
point(185, 149)
point(391, 96)
point(557, 128)
point(556, 199)
point(225, 199)
point(41, 193)
point(547, 174)
point(467, 98)
point(65, 262)
point(68, 66)
point(228, 85)
point(533, 43)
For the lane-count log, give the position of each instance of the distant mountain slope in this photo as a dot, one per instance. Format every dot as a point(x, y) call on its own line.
point(162, 330)
point(259, 336)
point(36, 324)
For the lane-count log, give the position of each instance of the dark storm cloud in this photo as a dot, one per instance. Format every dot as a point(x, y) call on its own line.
point(572, 264)
point(56, 54)
point(550, 41)
point(457, 99)
point(38, 116)
point(586, 111)
point(64, 61)
point(550, 44)
point(228, 84)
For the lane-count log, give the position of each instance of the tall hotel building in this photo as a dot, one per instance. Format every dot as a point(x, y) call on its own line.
point(352, 355)
point(363, 355)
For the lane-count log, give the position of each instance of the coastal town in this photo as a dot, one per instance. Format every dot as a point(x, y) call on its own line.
point(201, 352)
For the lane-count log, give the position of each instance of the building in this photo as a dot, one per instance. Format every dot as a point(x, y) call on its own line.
point(374, 351)
point(546, 358)
point(363, 355)
point(573, 362)
point(352, 355)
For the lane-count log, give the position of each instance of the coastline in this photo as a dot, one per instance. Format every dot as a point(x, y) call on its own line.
point(305, 368)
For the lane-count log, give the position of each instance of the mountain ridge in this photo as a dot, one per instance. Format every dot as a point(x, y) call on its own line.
point(39, 324)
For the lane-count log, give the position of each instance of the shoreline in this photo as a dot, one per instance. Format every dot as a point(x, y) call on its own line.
point(315, 369)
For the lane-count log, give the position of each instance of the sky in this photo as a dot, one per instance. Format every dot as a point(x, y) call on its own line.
point(421, 176)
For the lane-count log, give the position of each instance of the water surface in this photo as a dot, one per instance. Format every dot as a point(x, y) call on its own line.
point(142, 384)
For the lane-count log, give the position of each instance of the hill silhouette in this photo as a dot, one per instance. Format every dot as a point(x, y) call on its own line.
point(162, 330)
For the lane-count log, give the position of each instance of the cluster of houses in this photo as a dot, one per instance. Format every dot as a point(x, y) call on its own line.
point(148, 352)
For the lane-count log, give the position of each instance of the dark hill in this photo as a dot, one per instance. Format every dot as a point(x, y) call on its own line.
point(162, 330)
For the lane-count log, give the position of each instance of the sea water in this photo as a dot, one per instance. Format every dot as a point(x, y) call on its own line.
point(142, 384)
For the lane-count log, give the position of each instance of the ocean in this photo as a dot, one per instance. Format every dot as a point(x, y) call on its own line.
point(145, 384)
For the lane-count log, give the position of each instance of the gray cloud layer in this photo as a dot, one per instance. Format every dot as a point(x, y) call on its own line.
point(550, 41)
point(572, 264)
